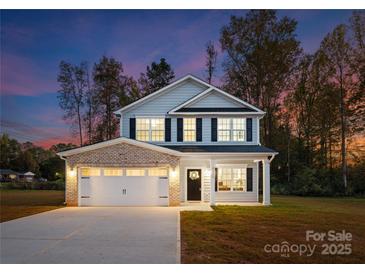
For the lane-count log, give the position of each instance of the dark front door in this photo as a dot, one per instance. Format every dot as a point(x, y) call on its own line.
point(194, 184)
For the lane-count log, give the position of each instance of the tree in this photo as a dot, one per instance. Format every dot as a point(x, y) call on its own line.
point(337, 50)
point(73, 83)
point(211, 60)
point(10, 150)
point(157, 76)
point(108, 81)
point(62, 147)
point(262, 53)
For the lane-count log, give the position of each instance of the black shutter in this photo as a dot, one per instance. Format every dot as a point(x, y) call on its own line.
point(249, 174)
point(199, 129)
point(249, 129)
point(216, 179)
point(132, 128)
point(167, 129)
point(180, 129)
point(214, 129)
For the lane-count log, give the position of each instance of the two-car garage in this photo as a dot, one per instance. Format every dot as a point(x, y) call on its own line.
point(123, 186)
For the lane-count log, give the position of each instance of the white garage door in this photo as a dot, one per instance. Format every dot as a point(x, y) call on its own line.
point(123, 187)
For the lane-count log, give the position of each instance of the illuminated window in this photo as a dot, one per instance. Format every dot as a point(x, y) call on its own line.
point(189, 129)
point(150, 129)
point(161, 172)
point(231, 179)
point(231, 129)
point(113, 172)
point(87, 172)
point(135, 172)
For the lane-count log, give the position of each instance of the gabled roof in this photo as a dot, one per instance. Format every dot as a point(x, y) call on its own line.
point(248, 107)
point(158, 92)
point(117, 141)
point(222, 149)
point(210, 88)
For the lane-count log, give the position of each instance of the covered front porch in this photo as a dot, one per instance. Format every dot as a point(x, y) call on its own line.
point(224, 180)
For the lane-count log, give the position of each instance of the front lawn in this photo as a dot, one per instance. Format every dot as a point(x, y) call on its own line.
point(20, 203)
point(233, 234)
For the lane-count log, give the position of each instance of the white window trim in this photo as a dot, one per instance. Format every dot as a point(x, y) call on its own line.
point(150, 128)
point(189, 130)
point(231, 130)
point(232, 167)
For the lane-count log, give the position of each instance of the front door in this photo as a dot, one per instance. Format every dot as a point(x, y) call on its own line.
point(194, 180)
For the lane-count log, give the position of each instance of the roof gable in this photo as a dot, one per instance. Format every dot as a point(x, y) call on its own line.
point(185, 81)
point(215, 100)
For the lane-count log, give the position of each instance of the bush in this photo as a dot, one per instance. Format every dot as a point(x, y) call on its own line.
point(56, 185)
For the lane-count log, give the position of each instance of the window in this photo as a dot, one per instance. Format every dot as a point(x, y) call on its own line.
point(113, 172)
point(231, 129)
point(87, 172)
point(150, 129)
point(135, 172)
point(161, 172)
point(189, 129)
point(231, 179)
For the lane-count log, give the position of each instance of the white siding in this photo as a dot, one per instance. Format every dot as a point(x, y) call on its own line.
point(214, 99)
point(203, 164)
point(160, 105)
point(228, 196)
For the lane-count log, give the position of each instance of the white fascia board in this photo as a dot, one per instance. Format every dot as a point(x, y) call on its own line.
point(218, 113)
point(160, 91)
point(119, 141)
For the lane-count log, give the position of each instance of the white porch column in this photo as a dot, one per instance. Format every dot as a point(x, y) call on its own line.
point(212, 182)
point(266, 182)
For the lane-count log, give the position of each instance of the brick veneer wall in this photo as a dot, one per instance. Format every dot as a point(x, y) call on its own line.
point(121, 155)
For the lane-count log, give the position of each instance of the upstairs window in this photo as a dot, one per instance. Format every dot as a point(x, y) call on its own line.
point(150, 129)
point(189, 129)
point(231, 129)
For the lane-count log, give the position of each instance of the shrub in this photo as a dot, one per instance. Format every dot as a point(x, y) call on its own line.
point(56, 185)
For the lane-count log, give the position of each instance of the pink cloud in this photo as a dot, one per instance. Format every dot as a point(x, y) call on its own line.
point(20, 76)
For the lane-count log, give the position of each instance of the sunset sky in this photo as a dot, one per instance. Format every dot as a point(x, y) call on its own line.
point(34, 42)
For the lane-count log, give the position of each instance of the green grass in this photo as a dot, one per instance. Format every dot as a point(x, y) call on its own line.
point(233, 234)
point(20, 203)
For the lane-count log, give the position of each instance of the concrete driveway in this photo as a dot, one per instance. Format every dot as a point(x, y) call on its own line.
point(93, 235)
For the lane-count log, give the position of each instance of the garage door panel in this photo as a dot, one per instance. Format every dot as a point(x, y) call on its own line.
point(124, 191)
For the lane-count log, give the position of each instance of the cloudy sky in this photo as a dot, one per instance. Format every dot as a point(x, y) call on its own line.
point(34, 42)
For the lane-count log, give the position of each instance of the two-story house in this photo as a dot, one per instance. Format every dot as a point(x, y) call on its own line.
point(188, 141)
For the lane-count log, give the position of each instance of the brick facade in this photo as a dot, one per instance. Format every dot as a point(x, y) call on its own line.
point(121, 155)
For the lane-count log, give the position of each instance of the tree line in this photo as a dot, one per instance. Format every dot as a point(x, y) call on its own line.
point(314, 102)
point(23, 157)
point(88, 99)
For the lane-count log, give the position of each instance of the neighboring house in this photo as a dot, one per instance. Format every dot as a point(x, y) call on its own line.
point(9, 175)
point(28, 176)
point(188, 141)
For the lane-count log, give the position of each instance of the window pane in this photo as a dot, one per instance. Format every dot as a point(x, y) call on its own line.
point(239, 179)
point(113, 172)
point(143, 135)
point(238, 135)
point(157, 172)
point(223, 135)
point(158, 135)
point(238, 123)
point(224, 179)
point(189, 129)
point(142, 124)
point(157, 124)
point(87, 172)
point(189, 136)
point(135, 172)
point(223, 123)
